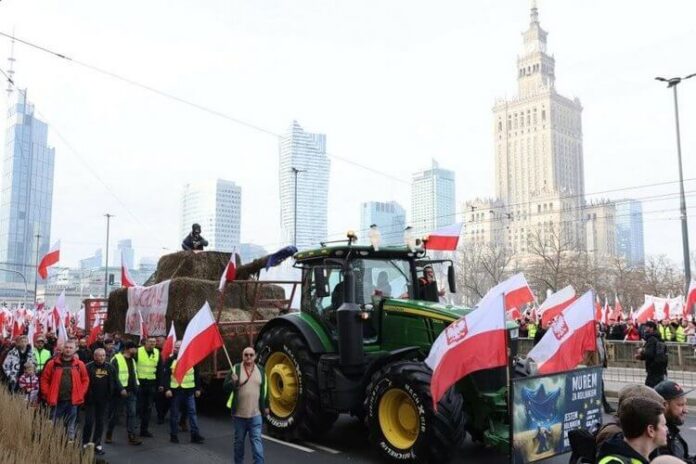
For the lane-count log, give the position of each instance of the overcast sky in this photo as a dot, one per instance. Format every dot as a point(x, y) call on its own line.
point(392, 84)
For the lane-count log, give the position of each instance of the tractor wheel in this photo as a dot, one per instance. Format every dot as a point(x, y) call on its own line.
point(400, 416)
point(293, 391)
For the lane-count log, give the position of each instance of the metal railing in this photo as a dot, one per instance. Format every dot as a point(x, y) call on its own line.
point(623, 367)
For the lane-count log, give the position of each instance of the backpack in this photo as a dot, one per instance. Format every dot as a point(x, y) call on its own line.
point(661, 353)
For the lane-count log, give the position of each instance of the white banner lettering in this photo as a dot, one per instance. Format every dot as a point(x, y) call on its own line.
point(152, 303)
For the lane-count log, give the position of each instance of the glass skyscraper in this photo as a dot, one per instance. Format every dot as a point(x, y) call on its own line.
point(306, 153)
point(26, 191)
point(432, 200)
point(389, 217)
point(629, 231)
point(217, 206)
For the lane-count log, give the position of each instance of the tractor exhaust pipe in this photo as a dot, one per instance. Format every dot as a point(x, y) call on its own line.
point(350, 330)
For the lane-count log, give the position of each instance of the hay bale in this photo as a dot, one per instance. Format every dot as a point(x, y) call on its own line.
point(187, 295)
point(207, 265)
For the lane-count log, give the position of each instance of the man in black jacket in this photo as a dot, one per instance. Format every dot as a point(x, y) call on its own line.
point(675, 413)
point(194, 241)
point(654, 353)
point(102, 384)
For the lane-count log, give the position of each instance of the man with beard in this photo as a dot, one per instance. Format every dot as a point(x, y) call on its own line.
point(675, 413)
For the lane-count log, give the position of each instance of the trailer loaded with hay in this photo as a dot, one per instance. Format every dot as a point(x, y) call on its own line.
point(244, 306)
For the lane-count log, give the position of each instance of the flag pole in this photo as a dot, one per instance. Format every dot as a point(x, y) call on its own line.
point(217, 321)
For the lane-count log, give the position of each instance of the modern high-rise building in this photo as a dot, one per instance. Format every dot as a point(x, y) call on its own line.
point(600, 228)
point(629, 231)
point(125, 249)
point(389, 217)
point(93, 262)
point(304, 181)
point(539, 169)
point(433, 202)
point(26, 191)
point(217, 206)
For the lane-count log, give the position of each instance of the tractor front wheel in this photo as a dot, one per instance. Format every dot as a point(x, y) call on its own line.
point(402, 421)
point(293, 391)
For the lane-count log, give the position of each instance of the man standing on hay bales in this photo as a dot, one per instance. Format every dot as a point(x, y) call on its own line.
point(64, 383)
point(126, 392)
point(149, 366)
point(248, 388)
point(194, 241)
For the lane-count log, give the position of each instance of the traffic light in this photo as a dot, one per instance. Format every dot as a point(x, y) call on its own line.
point(111, 279)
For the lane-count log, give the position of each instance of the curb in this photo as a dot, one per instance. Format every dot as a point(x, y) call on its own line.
point(614, 394)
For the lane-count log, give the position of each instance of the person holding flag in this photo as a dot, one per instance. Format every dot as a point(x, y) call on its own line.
point(183, 397)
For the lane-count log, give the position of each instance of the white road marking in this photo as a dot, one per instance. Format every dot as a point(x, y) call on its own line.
point(291, 445)
point(322, 447)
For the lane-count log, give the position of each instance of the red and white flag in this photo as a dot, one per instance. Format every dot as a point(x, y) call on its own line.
point(31, 332)
point(201, 338)
point(517, 294)
point(126, 279)
point(555, 303)
point(445, 238)
point(229, 274)
point(474, 342)
point(606, 311)
point(645, 313)
point(94, 332)
point(143, 327)
point(688, 308)
point(570, 335)
point(598, 309)
point(618, 310)
point(49, 259)
point(665, 310)
point(168, 347)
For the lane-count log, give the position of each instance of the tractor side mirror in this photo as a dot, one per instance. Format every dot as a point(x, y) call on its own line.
point(320, 282)
point(451, 279)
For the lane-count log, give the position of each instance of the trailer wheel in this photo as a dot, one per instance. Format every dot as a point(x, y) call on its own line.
point(293, 390)
point(400, 416)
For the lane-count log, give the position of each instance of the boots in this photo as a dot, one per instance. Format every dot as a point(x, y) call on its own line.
point(133, 440)
point(196, 438)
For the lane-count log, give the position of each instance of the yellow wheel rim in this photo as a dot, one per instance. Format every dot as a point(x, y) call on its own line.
point(398, 418)
point(282, 384)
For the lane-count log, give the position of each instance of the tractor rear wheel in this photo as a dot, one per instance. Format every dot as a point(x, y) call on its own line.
point(293, 391)
point(402, 421)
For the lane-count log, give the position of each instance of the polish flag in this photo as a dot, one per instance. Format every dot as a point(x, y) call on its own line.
point(474, 342)
point(570, 335)
point(51, 258)
point(665, 310)
point(229, 274)
point(61, 333)
point(645, 313)
point(445, 238)
point(143, 327)
point(688, 308)
point(554, 304)
point(31, 332)
point(606, 311)
point(598, 309)
point(126, 279)
point(618, 309)
point(168, 347)
point(94, 332)
point(201, 338)
point(517, 294)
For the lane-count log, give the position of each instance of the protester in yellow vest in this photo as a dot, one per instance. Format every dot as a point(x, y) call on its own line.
point(644, 429)
point(665, 331)
point(127, 388)
point(149, 366)
point(531, 329)
point(41, 353)
point(183, 396)
point(680, 333)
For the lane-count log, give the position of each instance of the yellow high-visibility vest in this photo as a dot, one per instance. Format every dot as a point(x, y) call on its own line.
point(189, 379)
point(123, 376)
point(147, 365)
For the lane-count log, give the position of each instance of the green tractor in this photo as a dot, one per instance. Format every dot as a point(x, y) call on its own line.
point(357, 346)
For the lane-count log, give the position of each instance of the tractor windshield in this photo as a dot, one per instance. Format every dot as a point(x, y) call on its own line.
point(381, 278)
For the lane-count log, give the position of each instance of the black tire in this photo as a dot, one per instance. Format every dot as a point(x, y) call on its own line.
point(307, 419)
point(440, 433)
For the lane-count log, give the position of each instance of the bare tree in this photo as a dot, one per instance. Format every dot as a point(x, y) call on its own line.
point(481, 266)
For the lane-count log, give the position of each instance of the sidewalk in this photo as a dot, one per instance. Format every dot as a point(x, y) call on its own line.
point(615, 378)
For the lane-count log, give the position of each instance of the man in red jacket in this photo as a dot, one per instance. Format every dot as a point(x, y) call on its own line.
point(64, 382)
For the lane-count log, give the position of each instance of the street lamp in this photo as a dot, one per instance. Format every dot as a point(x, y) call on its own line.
point(673, 83)
point(106, 263)
point(294, 211)
point(25, 283)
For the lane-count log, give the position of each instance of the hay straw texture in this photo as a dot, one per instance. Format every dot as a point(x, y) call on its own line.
point(27, 435)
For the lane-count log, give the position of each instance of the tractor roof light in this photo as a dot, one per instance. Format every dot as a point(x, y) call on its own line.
point(409, 239)
point(352, 237)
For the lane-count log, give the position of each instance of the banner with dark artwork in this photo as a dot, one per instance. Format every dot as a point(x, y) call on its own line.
point(546, 408)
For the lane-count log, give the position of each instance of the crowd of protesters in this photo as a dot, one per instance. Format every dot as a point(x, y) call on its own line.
point(95, 384)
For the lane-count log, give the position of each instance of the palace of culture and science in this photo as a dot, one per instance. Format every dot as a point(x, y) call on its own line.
point(539, 169)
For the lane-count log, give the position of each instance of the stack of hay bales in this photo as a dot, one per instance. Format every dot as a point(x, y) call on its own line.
point(194, 280)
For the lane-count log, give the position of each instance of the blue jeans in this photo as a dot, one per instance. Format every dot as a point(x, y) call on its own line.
point(118, 403)
point(252, 426)
point(183, 400)
point(66, 411)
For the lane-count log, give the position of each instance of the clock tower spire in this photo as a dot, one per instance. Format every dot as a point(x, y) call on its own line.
point(535, 68)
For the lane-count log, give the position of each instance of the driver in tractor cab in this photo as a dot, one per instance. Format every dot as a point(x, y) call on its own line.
point(427, 286)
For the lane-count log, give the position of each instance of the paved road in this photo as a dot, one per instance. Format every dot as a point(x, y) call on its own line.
point(346, 442)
